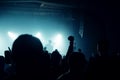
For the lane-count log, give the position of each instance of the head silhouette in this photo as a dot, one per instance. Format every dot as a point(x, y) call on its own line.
point(27, 52)
point(26, 46)
point(56, 57)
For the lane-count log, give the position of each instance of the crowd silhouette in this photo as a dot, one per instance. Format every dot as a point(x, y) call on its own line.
point(27, 60)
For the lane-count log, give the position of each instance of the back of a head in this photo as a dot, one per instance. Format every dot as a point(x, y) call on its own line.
point(56, 57)
point(27, 52)
point(2, 62)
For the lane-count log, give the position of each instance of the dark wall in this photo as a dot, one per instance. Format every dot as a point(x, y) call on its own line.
point(101, 21)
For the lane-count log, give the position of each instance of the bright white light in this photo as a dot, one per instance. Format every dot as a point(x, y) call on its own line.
point(1, 46)
point(58, 42)
point(39, 35)
point(12, 35)
point(58, 39)
point(4, 43)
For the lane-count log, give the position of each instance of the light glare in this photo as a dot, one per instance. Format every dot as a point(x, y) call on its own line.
point(39, 36)
point(58, 41)
point(12, 35)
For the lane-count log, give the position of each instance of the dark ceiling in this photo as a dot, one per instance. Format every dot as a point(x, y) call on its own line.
point(102, 9)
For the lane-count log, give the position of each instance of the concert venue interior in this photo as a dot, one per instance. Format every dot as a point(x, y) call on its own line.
point(54, 20)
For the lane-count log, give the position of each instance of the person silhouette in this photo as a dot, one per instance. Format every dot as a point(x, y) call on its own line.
point(28, 58)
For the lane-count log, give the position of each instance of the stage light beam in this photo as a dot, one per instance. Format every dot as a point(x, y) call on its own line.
point(12, 35)
point(58, 39)
point(58, 42)
point(39, 36)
